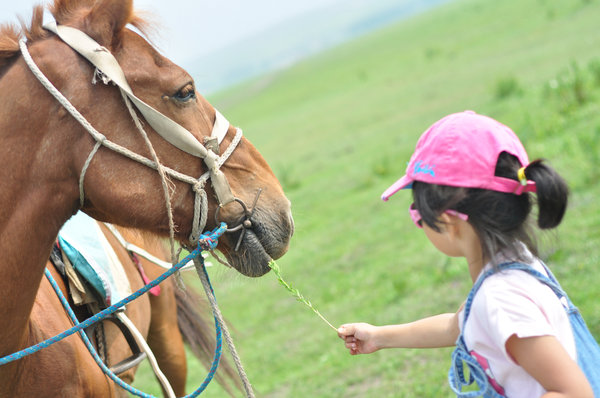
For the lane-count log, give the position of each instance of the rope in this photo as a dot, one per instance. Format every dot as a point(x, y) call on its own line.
point(162, 379)
point(101, 342)
point(84, 170)
point(161, 172)
point(234, 143)
point(136, 250)
point(201, 270)
point(212, 236)
point(200, 207)
point(208, 240)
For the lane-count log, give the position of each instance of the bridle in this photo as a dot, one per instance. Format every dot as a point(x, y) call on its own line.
point(109, 71)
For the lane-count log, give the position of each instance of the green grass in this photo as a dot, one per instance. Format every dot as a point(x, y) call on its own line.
point(339, 128)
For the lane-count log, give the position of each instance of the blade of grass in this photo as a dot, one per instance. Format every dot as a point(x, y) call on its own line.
point(296, 292)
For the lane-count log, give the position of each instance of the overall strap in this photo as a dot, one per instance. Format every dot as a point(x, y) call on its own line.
point(549, 281)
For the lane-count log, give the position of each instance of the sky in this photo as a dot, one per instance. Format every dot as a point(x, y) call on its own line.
point(207, 25)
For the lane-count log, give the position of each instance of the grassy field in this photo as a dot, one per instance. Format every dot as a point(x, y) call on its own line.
point(339, 128)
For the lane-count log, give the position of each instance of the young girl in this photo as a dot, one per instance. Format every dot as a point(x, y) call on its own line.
point(472, 183)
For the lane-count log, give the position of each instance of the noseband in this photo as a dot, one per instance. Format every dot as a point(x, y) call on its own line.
point(109, 71)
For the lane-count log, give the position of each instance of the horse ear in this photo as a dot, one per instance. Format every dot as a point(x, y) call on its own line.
point(107, 19)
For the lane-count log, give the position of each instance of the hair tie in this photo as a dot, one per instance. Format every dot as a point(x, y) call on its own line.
point(521, 176)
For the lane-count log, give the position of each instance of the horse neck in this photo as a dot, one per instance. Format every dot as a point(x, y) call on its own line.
point(35, 199)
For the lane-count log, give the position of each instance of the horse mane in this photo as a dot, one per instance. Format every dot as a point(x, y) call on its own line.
point(64, 12)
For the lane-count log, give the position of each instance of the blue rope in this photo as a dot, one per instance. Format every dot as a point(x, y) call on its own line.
point(207, 241)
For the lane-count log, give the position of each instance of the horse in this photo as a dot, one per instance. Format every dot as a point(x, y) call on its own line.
point(59, 159)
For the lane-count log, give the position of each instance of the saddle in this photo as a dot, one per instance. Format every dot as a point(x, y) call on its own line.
point(96, 279)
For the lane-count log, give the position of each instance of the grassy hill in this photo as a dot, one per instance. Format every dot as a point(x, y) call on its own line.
point(339, 128)
point(298, 37)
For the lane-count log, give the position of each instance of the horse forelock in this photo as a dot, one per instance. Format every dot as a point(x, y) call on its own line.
point(9, 41)
point(11, 33)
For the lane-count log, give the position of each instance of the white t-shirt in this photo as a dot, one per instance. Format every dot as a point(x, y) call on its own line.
point(508, 303)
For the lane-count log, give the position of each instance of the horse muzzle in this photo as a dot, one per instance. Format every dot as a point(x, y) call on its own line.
point(261, 233)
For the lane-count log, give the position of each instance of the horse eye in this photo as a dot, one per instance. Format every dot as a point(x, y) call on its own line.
point(185, 94)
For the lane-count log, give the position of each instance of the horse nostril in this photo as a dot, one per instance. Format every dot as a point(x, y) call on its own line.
point(292, 227)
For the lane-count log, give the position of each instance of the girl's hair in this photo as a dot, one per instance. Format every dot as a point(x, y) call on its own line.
point(500, 219)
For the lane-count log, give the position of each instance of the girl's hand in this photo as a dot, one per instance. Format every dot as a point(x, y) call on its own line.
point(360, 338)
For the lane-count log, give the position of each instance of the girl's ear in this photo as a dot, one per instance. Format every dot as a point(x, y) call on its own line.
point(449, 225)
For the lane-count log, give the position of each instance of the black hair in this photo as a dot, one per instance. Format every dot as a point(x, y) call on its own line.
point(500, 219)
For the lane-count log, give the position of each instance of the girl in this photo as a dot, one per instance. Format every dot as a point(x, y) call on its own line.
point(471, 182)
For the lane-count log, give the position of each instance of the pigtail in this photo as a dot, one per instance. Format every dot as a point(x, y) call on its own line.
point(552, 193)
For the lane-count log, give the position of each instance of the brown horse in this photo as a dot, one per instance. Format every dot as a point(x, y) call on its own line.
point(45, 156)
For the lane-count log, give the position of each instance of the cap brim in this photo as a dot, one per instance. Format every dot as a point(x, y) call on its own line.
point(403, 183)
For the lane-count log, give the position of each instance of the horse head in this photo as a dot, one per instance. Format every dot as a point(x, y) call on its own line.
point(242, 189)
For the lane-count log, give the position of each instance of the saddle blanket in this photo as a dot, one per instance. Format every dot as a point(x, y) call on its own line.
point(92, 256)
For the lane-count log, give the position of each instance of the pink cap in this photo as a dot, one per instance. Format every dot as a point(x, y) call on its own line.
point(461, 150)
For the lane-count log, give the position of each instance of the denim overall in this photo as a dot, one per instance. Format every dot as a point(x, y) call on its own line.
point(588, 351)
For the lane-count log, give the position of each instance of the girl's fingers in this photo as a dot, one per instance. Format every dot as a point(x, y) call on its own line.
point(346, 333)
point(346, 330)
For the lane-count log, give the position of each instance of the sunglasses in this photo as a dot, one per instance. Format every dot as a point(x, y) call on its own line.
point(417, 219)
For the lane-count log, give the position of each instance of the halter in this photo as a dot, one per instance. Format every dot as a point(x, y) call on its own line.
point(109, 71)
